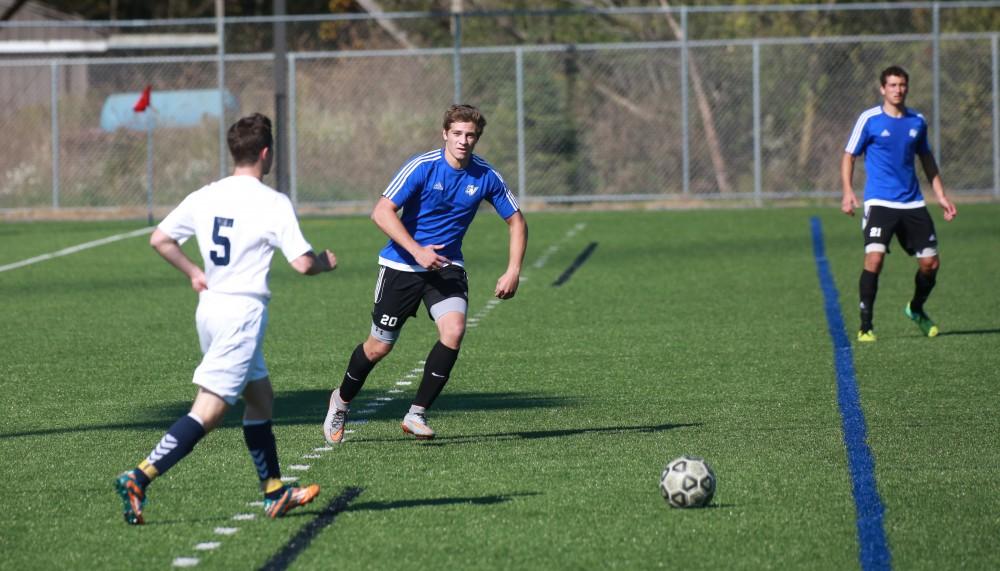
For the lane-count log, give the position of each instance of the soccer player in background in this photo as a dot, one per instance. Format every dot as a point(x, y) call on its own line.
point(439, 193)
point(891, 136)
point(238, 222)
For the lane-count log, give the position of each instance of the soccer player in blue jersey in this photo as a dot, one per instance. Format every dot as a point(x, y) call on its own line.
point(238, 222)
point(891, 136)
point(439, 193)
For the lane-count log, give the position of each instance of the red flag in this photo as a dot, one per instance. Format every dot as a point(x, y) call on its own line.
point(143, 101)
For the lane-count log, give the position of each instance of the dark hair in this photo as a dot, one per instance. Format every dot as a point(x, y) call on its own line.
point(248, 137)
point(895, 71)
point(464, 114)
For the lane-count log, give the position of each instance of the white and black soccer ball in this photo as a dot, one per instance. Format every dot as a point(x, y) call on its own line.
point(687, 482)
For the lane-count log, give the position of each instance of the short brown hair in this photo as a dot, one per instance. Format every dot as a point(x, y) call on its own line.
point(464, 114)
point(893, 71)
point(248, 137)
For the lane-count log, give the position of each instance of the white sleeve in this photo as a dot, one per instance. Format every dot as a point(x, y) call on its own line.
point(180, 223)
point(288, 234)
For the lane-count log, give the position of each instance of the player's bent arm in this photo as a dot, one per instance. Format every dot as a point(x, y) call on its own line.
point(849, 201)
point(170, 250)
point(934, 176)
point(310, 263)
point(508, 283)
point(384, 216)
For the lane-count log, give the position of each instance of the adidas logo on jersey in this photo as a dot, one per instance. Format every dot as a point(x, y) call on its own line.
point(884, 133)
point(438, 186)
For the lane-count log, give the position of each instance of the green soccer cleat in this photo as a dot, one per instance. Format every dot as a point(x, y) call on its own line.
point(923, 321)
point(133, 496)
point(866, 336)
point(291, 497)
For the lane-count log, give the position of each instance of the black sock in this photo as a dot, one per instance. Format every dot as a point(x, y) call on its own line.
point(176, 443)
point(867, 287)
point(263, 449)
point(357, 371)
point(924, 283)
point(437, 369)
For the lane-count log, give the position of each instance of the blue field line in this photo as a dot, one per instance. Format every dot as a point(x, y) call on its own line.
point(874, 549)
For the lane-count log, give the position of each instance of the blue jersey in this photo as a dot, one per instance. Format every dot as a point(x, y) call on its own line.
point(439, 203)
point(890, 145)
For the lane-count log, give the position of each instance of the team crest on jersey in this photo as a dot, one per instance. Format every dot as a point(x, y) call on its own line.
point(913, 133)
point(471, 189)
point(438, 186)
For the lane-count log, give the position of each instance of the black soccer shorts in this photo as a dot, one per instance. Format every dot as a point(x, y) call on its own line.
point(398, 295)
point(913, 228)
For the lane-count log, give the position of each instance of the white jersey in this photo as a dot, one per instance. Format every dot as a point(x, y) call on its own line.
point(238, 222)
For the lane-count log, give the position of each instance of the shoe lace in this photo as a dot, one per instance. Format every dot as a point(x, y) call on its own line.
point(338, 418)
point(420, 417)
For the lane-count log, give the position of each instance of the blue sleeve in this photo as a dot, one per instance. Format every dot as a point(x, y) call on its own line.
point(859, 137)
point(408, 180)
point(501, 197)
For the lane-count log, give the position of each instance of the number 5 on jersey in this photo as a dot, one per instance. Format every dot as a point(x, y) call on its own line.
point(219, 239)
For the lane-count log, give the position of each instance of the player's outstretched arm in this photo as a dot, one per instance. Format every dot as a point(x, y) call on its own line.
point(310, 263)
point(849, 201)
point(509, 281)
point(934, 176)
point(171, 251)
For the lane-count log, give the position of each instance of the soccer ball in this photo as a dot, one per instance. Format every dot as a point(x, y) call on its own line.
point(687, 482)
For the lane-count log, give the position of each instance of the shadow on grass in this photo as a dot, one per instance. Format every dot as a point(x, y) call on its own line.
point(478, 501)
point(970, 332)
point(531, 435)
point(534, 434)
point(309, 407)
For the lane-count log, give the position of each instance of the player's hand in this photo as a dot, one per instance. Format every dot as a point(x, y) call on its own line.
point(198, 281)
point(849, 203)
point(507, 285)
point(950, 212)
point(429, 259)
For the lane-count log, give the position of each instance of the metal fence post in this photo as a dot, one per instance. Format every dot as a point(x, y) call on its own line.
point(55, 132)
point(456, 61)
point(292, 134)
point(995, 61)
point(220, 31)
point(519, 75)
point(757, 167)
point(685, 127)
point(937, 78)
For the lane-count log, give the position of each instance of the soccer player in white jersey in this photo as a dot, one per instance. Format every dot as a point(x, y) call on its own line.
point(891, 135)
point(439, 193)
point(238, 222)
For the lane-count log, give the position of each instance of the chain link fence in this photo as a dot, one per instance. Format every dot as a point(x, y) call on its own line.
point(750, 118)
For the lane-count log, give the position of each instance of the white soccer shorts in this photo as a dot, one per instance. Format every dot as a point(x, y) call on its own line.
point(231, 330)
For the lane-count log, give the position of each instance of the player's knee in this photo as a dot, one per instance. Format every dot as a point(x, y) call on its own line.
point(930, 264)
point(376, 349)
point(452, 332)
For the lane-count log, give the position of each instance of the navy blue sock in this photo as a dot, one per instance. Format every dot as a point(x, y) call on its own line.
point(176, 443)
point(263, 449)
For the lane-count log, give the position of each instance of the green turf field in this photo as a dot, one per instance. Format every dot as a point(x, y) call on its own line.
point(697, 332)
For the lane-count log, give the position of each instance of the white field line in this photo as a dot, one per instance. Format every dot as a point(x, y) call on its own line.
point(75, 249)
